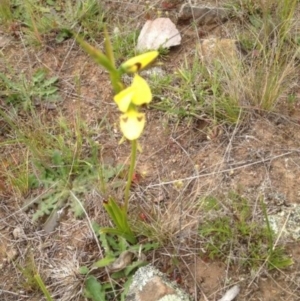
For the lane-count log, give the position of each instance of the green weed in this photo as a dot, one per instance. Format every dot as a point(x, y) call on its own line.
point(6, 15)
point(33, 280)
point(182, 93)
point(194, 91)
point(226, 91)
point(41, 19)
point(121, 261)
point(271, 43)
point(20, 91)
point(65, 166)
point(241, 239)
point(19, 179)
point(62, 159)
point(124, 42)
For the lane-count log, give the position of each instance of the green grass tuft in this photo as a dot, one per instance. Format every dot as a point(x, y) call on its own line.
point(240, 239)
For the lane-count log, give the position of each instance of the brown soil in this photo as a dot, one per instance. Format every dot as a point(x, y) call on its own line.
point(180, 164)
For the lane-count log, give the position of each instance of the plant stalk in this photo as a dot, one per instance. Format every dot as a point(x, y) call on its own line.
point(130, 174)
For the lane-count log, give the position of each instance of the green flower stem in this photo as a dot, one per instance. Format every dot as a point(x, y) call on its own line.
point(42, 286)
point(115, 78)
point(130, 174)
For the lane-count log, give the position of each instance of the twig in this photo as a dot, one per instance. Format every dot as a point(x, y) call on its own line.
point(221, 171)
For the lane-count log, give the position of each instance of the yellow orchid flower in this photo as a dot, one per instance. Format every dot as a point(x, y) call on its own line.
point(138, 93)
point(139, 62)
point(124, 99)
point(142, 93)
point(132, 124)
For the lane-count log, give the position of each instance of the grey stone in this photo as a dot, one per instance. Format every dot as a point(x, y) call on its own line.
point(286, 223)
point(202, 15)
point(155, 71)
point(149, 284)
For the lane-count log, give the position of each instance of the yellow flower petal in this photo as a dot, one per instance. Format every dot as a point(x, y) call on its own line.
point(124, 98)
point(139, 62)
point(132, 124)
point(142, 93)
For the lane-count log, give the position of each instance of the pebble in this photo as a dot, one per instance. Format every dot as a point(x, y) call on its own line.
point(18, 233)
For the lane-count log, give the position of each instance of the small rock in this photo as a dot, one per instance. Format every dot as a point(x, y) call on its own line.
point(231, 293)
point(116, 31)
point(224, 50)
point(50, 106)
point(149, 284)
point(18, 233)
point(161, 32)
point(202, 15)
point(155, 71)
point(286, 222)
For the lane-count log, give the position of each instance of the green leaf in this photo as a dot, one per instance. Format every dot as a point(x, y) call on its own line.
point(48, 91)
point(145, 247)
point(104, 242)
point(42, 286)
point(255, 21)
point(110, 172)
point(122, 244)
point(118, 216)
point(114, 243)
point(76, 209)
point(96, 54)
point(96, 227)
point(137, 264)
point(94, 290)
point(128, 270)
point(84, 270)
point(63, 35)
point(126, 286)
point(39, 76)
point(128, 236)
point(118, 275)
point(104, 261)
point(50, 81)
point(108, 48)
point(51, 91)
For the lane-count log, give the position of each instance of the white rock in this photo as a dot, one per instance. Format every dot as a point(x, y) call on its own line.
point(231, 293)
point(161, 32)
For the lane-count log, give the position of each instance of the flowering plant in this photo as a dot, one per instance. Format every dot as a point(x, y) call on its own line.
point(132, 121)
